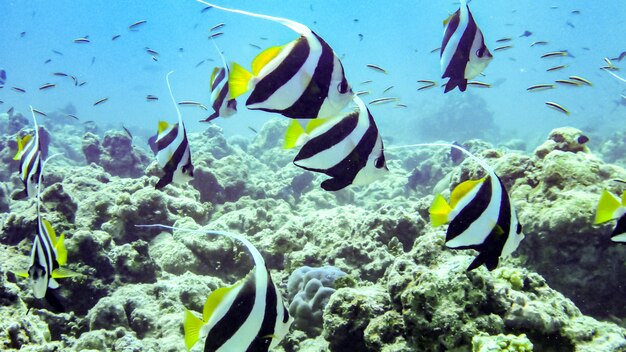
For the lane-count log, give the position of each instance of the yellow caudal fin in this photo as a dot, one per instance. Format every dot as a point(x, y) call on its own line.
point(192, 326)
point(264, 58)
point(607, 206)
point(61, 250)
point(439, 211)
point(62, 273)
point(462, 190)
point(21, 273)
point(293, 133)
point(238, 80)
point(163, 125)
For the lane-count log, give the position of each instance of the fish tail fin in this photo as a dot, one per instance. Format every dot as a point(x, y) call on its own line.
point(238, 80)
point(292, 135)
point(439, 211)
point(453, 83)
point(488, 258)
point(607, 206)
point(192, 326)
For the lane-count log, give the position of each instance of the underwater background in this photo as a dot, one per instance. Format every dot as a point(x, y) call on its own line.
point(393, 284)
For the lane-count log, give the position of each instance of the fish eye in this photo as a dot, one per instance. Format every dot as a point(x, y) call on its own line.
point(480, 52)
point(343, 86)
point(379, 163)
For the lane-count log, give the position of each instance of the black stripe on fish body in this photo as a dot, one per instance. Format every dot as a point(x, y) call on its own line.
point(221, 74)
point(471, 212)
point(316, 92)
point(177, 158)
point(165, 141)
point(620, 228)
point(236, 315)
point(48, 246)
point(491, 249)
point(333, 136)
point(460, 59)
point(264, 337)
point(283, 72)
point(221, 97)
point(452, 26)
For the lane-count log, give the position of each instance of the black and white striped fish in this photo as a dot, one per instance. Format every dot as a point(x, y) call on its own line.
point(303, 79)
point(30, 152)
point(464, 54)
point(480, 217)
point(221, 103)
point(171, 147)
point(47, 256)
point(347, 148)
point(249, 315)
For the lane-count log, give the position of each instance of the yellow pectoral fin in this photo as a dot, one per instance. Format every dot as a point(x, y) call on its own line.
point(264, 58)
point(21, 273)
point(293, 133)
point(607, 206)
point(62, 273)
point(61, 250)
point(238, 80)
point(439, 211)
point(315, 123)
point(192, 326)
point(462, 190)
point(163, 125)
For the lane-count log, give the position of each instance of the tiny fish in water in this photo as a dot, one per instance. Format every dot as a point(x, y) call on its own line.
point(72, 116)
point(254, 46)
point(205, 9)
point(400, 105)
point(200, 63)
point(526, 34)
point(22, 34)
point(60, 74)
point(366, 82)
point(554, 54)
point(427, 85)
point(252, 129)
point(136, 25)
point(216, 34)
point(568, 82)
point(383, 100)
point(152, 52)
point(217, 26)
point(620, 57)
point(581, 80)
point(130, 135)
point(47, 61)
point(556, 68)
point(478, 84)
point(115, 37)
point(100, 101)
point(557, 107)
point(504, 47)
point(387, 89)
point(38, 112)
point(47, 86)
point(57, 52)
point(3, 77)
point(362, 92)
point(504, 40)
point(189, 102)
point(81, 40)
point(435, 50)
point(376, 68)
point(541, 42)
point(151, 97)
point(539, 87)
point(18, 89)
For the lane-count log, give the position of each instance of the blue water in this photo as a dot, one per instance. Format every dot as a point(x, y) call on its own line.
point(397, 35)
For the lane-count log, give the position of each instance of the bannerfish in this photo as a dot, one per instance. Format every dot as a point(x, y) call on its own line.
point(47, 256)
point(303, 79)
point(30, 152)
point(220, 98)
point(480, 217)
point(610, 207)
point(347, 148)
point(249, 315)
point(3, 77)
point(171, 147)
point(464, 54)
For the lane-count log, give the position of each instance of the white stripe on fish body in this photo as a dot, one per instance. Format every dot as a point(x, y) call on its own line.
point(164, 155)
point(179, 176)
point(38, 271)
point(476, 65)
point(335, 101)
point(479, 230)
point(448, 52)
point(287, 95)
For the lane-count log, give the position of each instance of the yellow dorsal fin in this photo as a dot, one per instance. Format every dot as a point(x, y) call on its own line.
point(21, 143)
point(192, 325)
point(163, 125)
point(238, 80)
point(462, 190)
point(213, 74)
point(315, 123)
point(264, 57)
point(607, 206)
point(61, 273)
point(439, 211)
point(214, 300)
point(445, 22)
point(50, 231)
point(61, 250)
point(293, 133)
